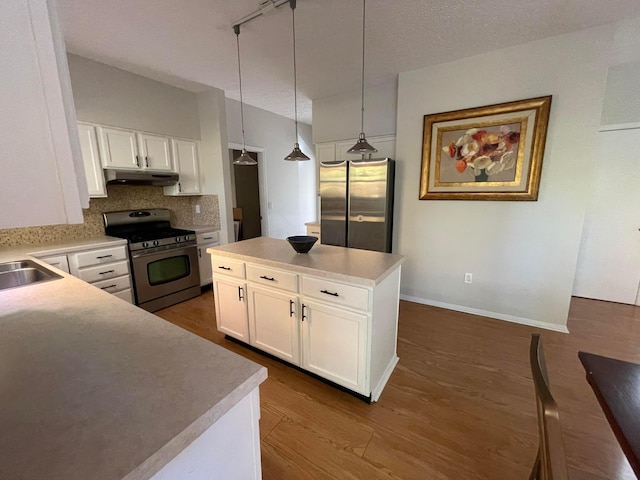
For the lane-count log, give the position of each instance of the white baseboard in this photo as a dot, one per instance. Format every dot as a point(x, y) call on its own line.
point(484, 313)
point(377, 390)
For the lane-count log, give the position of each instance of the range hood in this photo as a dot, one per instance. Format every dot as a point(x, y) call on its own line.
point(135, 177)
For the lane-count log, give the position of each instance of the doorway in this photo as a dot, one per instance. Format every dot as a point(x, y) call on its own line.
point(245, 187)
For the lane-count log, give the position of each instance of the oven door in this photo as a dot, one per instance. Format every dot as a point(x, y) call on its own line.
point(165, 272)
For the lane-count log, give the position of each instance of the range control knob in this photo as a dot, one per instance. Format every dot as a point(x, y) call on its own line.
point(156, 243)
point(178, 239)
point(187, 238)
point(145, 244)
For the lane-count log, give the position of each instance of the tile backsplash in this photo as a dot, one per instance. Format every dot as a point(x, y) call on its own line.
point(120, 198)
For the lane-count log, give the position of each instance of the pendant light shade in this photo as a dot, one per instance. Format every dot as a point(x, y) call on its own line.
point(362, 147)
point(296, 154)
point(244, 158)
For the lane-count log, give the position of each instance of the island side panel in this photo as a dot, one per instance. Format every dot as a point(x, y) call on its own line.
point(229, 449)
point(384, 331)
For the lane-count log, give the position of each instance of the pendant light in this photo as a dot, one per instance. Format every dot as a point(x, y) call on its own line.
point(362, 146)
point(244, 158)
point(296, 154)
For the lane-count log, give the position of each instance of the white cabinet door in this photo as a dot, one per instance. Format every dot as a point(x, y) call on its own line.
point(91, 158)
point(119, 148)
point(204, 263)
point(273, 323)
point(334, 344)
point(185, 156)
point(42, 178)
point(154, 152)
point(231, 307)
point(325, 152)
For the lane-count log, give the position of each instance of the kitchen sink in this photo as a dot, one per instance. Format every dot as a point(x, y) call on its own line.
point(22, 273)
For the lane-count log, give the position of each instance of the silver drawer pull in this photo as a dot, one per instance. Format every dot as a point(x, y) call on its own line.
point(109, 286)
point(271, 279)
point(104, 256)
point(327, 292)
point(224, 268)
point(108, 271)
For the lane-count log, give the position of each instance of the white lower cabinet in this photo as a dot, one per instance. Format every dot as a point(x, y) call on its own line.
point(106, 268)
point(231, 307)
point(273, 323)
point(321, 325)
point(334, 344)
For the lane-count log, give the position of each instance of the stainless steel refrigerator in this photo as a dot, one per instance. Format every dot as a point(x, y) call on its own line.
point(356, 203)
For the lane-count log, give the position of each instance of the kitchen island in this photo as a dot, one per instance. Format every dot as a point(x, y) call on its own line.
point(332, 312)
point(92, 387)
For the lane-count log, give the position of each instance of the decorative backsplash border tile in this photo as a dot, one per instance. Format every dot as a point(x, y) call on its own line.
point(120, 198)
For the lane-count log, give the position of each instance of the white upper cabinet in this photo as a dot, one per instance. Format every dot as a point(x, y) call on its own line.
point(119, 148)
point(186, 159)
point(43, 181)
point(91, 159)
point(130, 150)
point(154, 152)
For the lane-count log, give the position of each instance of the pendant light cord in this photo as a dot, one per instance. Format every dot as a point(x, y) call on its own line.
point(295, 80)
point(236, 29)
point(364, 2)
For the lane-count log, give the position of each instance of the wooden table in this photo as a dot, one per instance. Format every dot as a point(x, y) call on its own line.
point(617, 387)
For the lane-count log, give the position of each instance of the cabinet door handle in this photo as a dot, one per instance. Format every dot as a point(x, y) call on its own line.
point(327, 292)
point(271, 279)
point(290, 308)
point(221, 267)
point(138, 160)
point(103, 256)
point(179, 187)
point(146, 161)
point(303, 314)
point(108, 271)
point(240, 294)
point(199, 253)
point(108, 286)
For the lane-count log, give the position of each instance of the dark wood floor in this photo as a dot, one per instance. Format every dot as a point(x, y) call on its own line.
point(460, 404)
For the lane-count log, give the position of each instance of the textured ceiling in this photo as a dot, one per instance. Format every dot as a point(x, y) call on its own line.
point(190, 43)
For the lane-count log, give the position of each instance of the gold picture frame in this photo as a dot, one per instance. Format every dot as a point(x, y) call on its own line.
point(485, 153)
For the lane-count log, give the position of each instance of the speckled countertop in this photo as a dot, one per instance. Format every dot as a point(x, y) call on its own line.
point(92, 387)
point(352, 265)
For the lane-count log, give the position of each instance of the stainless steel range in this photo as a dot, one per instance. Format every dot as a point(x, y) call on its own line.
point(164, 260)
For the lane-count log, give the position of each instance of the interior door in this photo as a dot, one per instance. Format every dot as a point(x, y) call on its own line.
point(609, 260)
point(247, 192)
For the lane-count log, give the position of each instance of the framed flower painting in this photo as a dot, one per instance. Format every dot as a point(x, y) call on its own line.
point(485, 153)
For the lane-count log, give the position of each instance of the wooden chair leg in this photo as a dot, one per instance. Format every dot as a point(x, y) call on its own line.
point(535, 471)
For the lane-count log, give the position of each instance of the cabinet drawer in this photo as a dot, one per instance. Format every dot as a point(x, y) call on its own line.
point(96, 257)
point(124, 295)
point(58, 261)
point(227, 266)
point(273, 278)
point(336, 293)
point(102, 272)
point(113, 285)
point(207, 237)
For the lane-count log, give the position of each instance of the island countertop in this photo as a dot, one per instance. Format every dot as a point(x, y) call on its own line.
point(92, 387)
point(364, 267)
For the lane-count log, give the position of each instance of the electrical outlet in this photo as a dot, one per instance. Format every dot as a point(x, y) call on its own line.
point(197, 208)
point(468, 278)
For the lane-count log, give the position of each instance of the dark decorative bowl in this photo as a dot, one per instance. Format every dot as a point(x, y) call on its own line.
point(302, 243)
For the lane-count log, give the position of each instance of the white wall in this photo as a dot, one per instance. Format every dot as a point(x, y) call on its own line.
point(338, 117)
point(522, 254)
point(289, 186)
point(108, 95)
